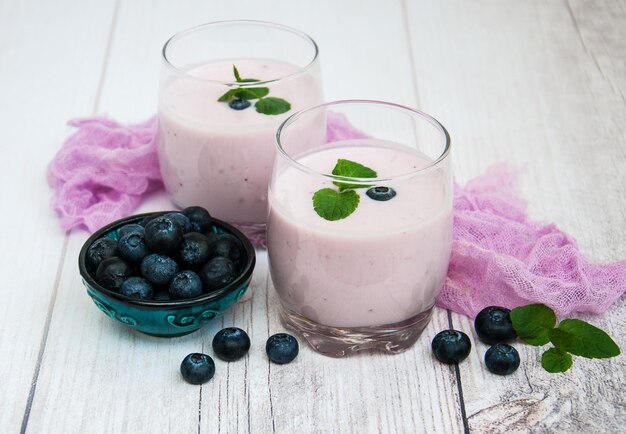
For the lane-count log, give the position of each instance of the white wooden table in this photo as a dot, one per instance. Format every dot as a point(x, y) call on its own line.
point(535, 83)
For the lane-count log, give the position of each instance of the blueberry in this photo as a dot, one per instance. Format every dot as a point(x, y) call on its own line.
point(228, 246)
point(199, 217)
point(217, 273)
point(131, 228)
point(182, 220)
point(502, 359)
point(281, 348)
point(101, 249)
point(158, 269)
point(137, 287)
point(144, 221)
point(231, 344)
point(163, 235)
point(162, 296)
point(185, 284)
point(132, 247)
point(451, 346)
point(381, 193)
point(493, 325)
point(112, 272)
point(239, 104)
point(197, 368)
point(194, 251)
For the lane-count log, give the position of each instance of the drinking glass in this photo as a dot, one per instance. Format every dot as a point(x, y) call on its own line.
point(217, 127)
point(360, 224)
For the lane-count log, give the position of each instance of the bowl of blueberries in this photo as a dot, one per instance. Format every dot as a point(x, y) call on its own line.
point(166, 273)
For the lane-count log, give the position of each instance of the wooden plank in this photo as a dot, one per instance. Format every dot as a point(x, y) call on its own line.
point(538, 84)
point(45, 81)
point(136, 378)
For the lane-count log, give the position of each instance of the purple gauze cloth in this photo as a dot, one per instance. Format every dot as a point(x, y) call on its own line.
point(499, 256)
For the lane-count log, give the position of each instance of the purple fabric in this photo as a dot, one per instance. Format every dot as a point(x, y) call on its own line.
point(499, 256)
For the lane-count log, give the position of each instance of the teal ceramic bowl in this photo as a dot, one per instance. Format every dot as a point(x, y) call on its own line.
point(166, 318)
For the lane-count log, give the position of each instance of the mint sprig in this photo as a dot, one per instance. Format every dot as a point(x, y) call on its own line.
point(350, 169)
point(535, 324)
point(265, 105)
point(335, 205)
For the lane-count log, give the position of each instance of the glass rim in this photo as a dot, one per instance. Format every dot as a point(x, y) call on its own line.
point(366, 181)
point(259, 23)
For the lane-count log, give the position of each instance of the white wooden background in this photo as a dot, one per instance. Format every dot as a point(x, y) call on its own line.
point(536, 83)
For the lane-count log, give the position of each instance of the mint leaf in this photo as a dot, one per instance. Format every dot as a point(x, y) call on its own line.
point(242, 80)
point(228, 95)
point(272, 106)
point(251, 92)
point(582, 339)
point(236, 73)
point(533, 322)
point(244, 93)
point(554, 360)
point(350, 169)
point(332, 205)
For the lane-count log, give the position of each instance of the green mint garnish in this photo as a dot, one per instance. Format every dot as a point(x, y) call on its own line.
point(351, 169)
point(236, 74)
point(582, 339)
point(555, 361)
point(272, 106)
point(266, 106)
point(535, 324)
point(334, 205)
point(246, 93)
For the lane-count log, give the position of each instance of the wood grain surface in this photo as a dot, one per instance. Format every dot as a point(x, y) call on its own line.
point(540, 84)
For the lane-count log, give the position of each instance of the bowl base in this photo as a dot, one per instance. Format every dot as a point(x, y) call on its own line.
point(343, 341)
point(168, 335)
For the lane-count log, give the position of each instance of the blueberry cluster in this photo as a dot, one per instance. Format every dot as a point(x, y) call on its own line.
point(230, 344)
point(493, 327)
point(167, 257)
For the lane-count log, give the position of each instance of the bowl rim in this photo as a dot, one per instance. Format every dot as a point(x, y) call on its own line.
point(245, 274)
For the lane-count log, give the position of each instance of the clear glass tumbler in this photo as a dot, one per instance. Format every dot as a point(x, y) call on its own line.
point(225, 89)
point(360, 224)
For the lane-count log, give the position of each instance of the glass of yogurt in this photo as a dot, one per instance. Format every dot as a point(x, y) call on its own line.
point(225, 89)
point(360, 225)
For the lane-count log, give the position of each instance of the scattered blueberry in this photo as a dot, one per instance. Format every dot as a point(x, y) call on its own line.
point(451, 346)
point(101, 249)
point(181, 219)
point(132, 247)
point(163, 235)
point(158, 269)
point(239, 104)
point(194, 251)
point(199, 217)
point(131, 228)
point(228, 246)
point(112, 272)
point(381, 193)
point(185, 284)
point(217, 273)
point(197, 368)
point(281, 348)
point(493, 325)
point(137, 287)
point(502, 359)
point(231, 344)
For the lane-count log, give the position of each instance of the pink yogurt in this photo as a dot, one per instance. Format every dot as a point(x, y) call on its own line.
point(383, 264)
point(220, 158)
